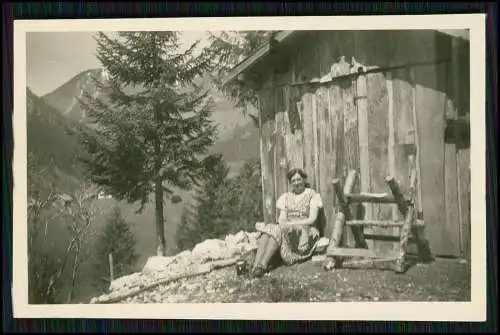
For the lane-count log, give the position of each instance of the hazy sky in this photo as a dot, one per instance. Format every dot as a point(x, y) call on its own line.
point(54, 58)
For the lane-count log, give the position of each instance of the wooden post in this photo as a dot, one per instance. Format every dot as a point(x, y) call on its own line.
point(463, 183)
point(418, 231)
point(315, 143)
point(417, 144)
point(357, 231)
point(452, 208)
point(364, 154)
point(405, 231)
point(111, 269)
point(338, 227)
point(408, 213)
point(266, 126)
point(398, 195)
point(343, 215)
point(391, 145)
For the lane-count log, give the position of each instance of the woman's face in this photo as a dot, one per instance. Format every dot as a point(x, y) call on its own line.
point(298, 183)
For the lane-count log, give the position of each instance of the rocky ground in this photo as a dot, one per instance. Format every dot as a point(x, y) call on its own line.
point(211, 265)
point(443, 280)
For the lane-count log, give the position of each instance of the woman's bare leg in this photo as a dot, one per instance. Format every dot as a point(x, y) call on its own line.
point(263, 242)
point(272, 247)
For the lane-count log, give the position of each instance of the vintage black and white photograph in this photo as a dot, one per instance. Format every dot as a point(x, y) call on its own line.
point(248, 166)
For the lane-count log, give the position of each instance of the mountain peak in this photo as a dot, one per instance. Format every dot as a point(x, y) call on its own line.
point(65, 97)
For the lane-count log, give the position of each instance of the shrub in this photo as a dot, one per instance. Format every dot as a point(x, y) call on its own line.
point(117, 239)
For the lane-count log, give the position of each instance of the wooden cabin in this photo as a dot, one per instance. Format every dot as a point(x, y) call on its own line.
point(332, 101)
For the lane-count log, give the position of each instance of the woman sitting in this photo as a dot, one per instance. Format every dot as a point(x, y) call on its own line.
point(294, 236)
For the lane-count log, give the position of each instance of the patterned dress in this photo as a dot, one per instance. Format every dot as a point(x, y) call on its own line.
point(297, 243)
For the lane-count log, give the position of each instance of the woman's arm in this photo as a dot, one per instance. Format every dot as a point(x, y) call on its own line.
point(282, 219)
point(313, 214)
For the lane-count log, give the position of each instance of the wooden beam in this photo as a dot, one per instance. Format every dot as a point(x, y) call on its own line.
point(463, 153)
point(382, 223)
point(315, 142)
point(452, 206)
point(391, 149)
point(364, 153)
point(355, 252)
point(417, 144)
point(390, 238)
point(405, 232)
point(381, 198)
point(398, 196)
point(266, 126)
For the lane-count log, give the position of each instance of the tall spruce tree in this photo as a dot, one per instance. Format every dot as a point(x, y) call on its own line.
point(152, 122)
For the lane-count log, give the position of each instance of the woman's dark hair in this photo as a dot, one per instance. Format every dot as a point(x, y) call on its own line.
point(301, 173)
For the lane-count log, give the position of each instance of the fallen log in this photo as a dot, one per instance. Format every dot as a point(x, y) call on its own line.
point(194, 270)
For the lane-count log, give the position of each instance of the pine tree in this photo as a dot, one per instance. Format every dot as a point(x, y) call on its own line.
point(152, 124)
point(116, 239)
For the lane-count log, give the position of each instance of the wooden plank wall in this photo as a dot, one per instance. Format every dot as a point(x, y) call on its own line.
point(318, 128)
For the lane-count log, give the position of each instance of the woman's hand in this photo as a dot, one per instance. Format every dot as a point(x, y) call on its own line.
point(298, 222)
point(293, 223)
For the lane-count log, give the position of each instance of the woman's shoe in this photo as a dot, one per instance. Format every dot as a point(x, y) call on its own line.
point(258, 272)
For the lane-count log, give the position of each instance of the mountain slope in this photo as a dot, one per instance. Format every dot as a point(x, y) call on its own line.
point(52, 148)
point(230, 121)
point(64, 97)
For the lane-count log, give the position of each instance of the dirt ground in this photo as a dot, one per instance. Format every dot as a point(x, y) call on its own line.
point(442, 280)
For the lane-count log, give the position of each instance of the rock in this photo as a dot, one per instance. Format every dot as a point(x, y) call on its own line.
point(241, 237)
point(241, 243)
point(234, 243)
point(238, 238)
point(157, 263)
point(211, 249)
point(322, 245)
point(184, 258)
point(254, 235)
point(125, 281)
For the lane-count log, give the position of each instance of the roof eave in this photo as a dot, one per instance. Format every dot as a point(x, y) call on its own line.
point(254, 58)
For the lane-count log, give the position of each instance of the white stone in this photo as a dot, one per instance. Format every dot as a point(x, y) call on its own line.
point(240, 237)
point(211, 249)
point(125, 281)
point(322, 245)
point(184, 258)
point(157, 263)
point(318, 258)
